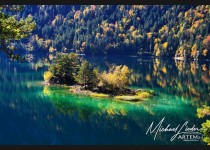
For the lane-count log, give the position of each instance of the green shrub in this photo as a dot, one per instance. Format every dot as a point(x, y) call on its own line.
point(201, 113)
point(206, 131)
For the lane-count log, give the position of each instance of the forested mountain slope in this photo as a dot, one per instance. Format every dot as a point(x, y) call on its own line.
point(154, 30)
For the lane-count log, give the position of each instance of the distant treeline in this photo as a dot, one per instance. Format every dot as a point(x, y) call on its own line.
point(152, 30)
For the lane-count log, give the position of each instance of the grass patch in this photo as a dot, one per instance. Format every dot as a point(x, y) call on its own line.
point(128, 98)
point(72, 90)
point(143, 94)
point(101, 95)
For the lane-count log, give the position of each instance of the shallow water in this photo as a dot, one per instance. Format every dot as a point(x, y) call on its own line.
point(32, 113)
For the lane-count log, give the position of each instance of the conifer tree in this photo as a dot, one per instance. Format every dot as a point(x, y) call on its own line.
point(86, 76)
point(12, 29)
point(65, 68)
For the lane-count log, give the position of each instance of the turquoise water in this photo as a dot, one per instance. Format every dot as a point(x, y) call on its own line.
point(32, 113)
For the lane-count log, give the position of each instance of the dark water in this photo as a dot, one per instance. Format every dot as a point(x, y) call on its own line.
point(32, 113)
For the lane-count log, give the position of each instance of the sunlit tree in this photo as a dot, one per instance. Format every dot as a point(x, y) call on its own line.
point(12, 29)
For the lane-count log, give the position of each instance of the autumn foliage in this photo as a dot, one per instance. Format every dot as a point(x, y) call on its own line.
point(68, 70)
point(115, 79)
point(148, 30)
point(47, 76)
point(206, 42)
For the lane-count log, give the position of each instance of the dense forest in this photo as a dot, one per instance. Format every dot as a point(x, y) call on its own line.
point(156, 30)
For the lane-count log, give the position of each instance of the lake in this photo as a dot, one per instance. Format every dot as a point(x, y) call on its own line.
point(32, 113)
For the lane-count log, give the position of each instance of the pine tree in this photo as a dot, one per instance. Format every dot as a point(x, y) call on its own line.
point(65, 68)
point(86, 75)
point(11, 29)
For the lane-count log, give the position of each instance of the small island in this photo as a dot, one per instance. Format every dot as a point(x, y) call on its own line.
point(82, 78)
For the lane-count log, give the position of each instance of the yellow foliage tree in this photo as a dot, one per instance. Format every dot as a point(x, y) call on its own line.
point(130, 12)
point(47, 76)
point(115, 79)
point(156, 50)
point(149, 35)
point(206, 42)
point(165, 45)
point(205, 51)
point(132, 28)
point(51, 49)
point(77, 14)
point(164, 70)
point(194, 50)
point(124, 20)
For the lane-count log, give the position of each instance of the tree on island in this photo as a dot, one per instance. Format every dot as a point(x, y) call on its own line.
point(65, 69)
point(47, 76)
point(12, 29)
point(86, 75)
point(68, 70)
point(116, 79)
point(84, 79)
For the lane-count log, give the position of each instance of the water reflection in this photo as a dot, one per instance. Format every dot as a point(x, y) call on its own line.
point(188, 79)
point(51, 115)
point(125, 117)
